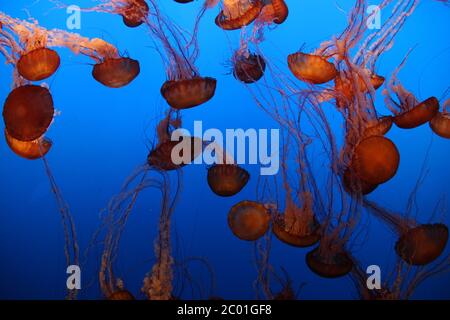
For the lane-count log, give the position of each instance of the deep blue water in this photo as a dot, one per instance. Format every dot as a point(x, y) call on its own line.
point(102, 134)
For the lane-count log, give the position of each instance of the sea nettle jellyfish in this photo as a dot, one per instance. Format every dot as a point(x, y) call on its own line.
point(311, 68)
point(226, 180)
point(275, 11)
point(162, 156)
point(30, 150)
point(418, 244)
point(110, 68)
point(236, 14)
point(440, 124)
point(184, 88)
point(248, 67)
point(133, 12)
point(409, 112)
point(249, 220)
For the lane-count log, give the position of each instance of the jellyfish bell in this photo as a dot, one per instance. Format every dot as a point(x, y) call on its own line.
point(161, 156)
point(38, 64)
point(418, 115)
point(226, 180)
point(248, 68)
point(188, 93)
point(28, 112)
point(297, 227)
point(116, 72)
point(329, 263)
point(440, 124)
point(238, 13)
point(121, 295)
point(378, 127)
point(134, 13)
point(249, 220)
point(311, 68)
point(422, 244)
point(375, 160)
point(30, 150)
point(275, 11)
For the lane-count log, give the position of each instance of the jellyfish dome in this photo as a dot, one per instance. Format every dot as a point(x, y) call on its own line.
point(440, 124)
point(423, 244)
point(30, 150)
point(418, 115)
point(329, 264)
point(38, 64)
point(311, 68)
point(248, 68)
point(238, 13)
point(249, 220)
point(134, 13)
point(226, 180)
point(28, 112)
point(188, 93)
point(116, 72)
point(375, 160)
point(274, 10)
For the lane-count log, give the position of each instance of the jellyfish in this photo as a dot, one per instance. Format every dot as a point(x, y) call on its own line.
point(249, 220)
point(409, 112)
point(30, 150)
point(248, 67)
point(275, 11)
point(236, 14)
point(133, 12)
point(110, 68)
point(160, 156)
point(28, 112)
point(418, 244)
point(311, 68)
point(38, 64)
point(440, 123)
point(226, 180)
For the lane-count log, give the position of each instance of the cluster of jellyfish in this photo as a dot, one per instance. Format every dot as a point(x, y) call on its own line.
point(340, 72)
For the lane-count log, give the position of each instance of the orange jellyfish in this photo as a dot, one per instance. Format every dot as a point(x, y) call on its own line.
point(440, 124)
point(236, 14)
point(418, 244)
point(30, 150)
point(133, 12)
point(275, 11)
point(226, 180)
point(409, 112)
point(375, 160)
point(248, 67)
point(38, 64)
point(249, 220)
point(161, 156)
point(28, 112)
point(116, 72)
point(311, 68)
point(330, 259)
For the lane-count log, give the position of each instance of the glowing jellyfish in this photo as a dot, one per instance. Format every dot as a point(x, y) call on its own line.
point(227, 180)
point(236, 14)
point(440, 124)
point(30, 150)
point(297, 227)
point(375, 160)
point(275, 11)
point(311, 68)
point(116, 72)
point(249, 220)
point(28, 112)
point(248, 67)
point(161, 156)
point(38, 64)
point(409, 112)
point(418, 244)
